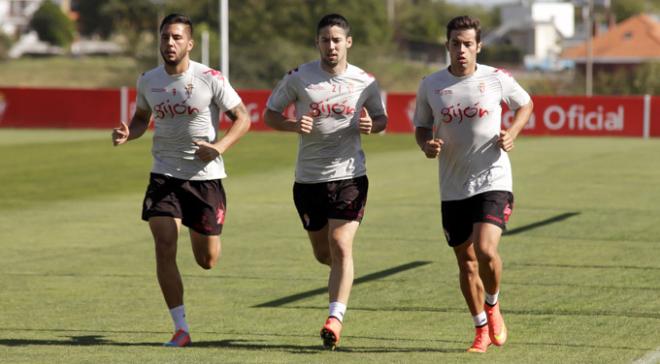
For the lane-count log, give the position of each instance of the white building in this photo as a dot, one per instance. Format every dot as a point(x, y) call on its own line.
point(15, 15)
point(537, 28)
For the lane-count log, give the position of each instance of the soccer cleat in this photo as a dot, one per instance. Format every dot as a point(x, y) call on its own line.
point(330, 333)
point(496, 327)
point(481, 340)
point(179, 339)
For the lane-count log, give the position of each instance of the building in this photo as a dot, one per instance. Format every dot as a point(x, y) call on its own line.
point(625, 45)
point(15, 15)
point(538, 29)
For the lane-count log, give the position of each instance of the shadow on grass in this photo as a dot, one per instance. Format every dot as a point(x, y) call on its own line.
point(98, 340)
point(322, 290)
point(552, 220)
point(250, 345)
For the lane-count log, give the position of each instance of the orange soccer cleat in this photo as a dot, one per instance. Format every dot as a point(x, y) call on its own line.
point(330, 332)
point(481, 340)
point(180, 339)
point(496, 327)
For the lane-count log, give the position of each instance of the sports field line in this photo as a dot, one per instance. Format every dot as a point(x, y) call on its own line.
point(652, 357)
point(368, 277)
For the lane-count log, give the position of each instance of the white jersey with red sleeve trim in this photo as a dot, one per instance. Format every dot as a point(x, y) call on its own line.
point(185, 108)
point(466, 113)
point(333, 150)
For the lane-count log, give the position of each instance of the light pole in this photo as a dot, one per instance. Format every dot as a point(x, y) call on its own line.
point(159, 15)
point(223, 8)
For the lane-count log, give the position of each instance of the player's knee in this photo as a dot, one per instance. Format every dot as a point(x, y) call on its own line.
point(469, 267)
point(323, 257)
point(207, 262)
point(485, 256)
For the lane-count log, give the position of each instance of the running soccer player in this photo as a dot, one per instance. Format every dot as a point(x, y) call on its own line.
point(185, 99)
point(330, 189)
point(458, 119)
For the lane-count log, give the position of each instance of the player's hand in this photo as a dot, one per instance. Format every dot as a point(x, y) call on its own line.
point(433, 147)
point(206, 151)
point(505, 141)
point(304, 124)
point(365, 122)
point(120, 134)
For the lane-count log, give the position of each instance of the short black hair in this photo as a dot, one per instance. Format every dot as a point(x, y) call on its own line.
point(331, 20)
point(464, 22)
point(177, 19)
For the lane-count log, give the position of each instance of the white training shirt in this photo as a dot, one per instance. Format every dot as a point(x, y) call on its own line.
point(185, 108)
point(333, 149)
point(465, 112)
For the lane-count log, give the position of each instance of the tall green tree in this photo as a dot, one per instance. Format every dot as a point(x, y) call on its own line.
point(93, 20)
point(52, 25)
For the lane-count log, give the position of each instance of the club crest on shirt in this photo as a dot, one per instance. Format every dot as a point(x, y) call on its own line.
point(189, 89)
point(482, 87)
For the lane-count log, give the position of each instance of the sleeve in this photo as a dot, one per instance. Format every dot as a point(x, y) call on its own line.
point(512, 93)
point(224, 96)
point(141, 100)
point(374, 101)
point(283, 94)
point(423, 117)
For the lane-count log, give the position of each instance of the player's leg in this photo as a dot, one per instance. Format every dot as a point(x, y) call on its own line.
point(165, 231)
point(469, 279)
point(473, 293)
point(162, 210)
point(311, 203)
point(204, 206)
point(487, 237)
point(206, 249)
point(346, 209)
point(320, 245)
point(457, 224)
point(493, 211)
point(340, 235)
point(486, 240)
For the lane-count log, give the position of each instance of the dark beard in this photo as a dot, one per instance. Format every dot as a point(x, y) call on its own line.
point(168, 62)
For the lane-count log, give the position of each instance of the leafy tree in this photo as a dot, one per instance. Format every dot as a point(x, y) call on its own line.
point(624, 9)
point(52, 25)
point(93, 21)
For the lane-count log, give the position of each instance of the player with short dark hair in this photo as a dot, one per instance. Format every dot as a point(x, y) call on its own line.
point(330, 189)
point(185, 99)
point(458, 120)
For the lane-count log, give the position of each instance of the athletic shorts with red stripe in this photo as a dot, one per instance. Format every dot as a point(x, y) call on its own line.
point(201, 205)
point(342, 200)
point(459, 216)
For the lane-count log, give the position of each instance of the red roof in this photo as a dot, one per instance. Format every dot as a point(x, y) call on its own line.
point(636, 39)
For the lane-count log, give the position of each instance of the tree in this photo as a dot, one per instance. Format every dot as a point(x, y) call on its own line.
point(52, 25)
point(624, 9)
point(93, 21)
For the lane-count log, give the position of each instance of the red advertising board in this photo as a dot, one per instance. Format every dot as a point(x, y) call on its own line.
point(553, 115)
point(598, 115)
point(654, 114)
point(400, 110)
point(59, 108)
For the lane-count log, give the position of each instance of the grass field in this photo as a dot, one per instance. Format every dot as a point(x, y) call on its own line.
point(77, 273)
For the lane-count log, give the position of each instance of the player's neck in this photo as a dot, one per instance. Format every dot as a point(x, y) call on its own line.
point(460, 71)
point(338, 69)
point(179, 68)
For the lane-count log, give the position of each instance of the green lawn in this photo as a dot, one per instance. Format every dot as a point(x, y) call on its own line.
point(77, 273)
